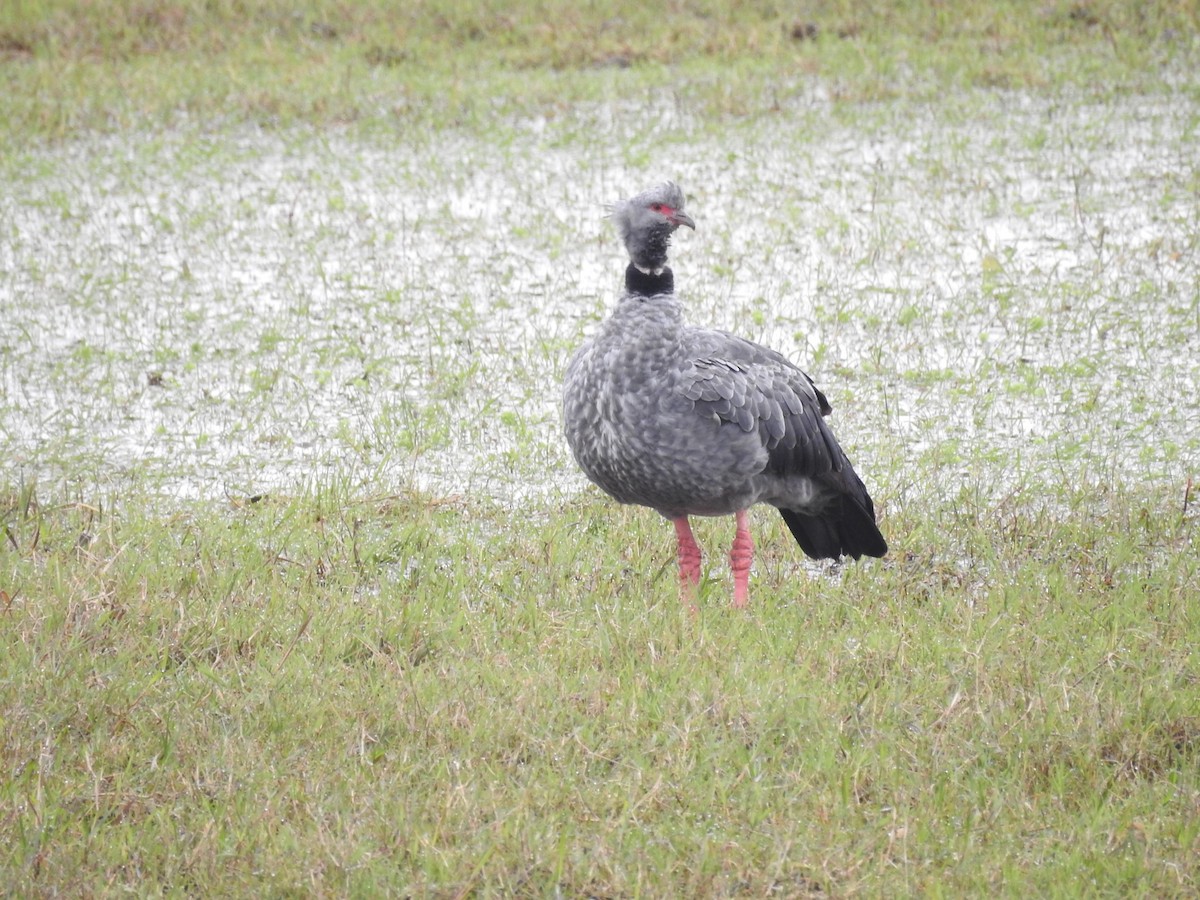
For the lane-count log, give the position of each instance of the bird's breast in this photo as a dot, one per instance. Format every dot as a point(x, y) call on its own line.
point(637, 436)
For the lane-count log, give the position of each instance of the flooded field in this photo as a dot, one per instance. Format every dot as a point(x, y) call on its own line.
point(1000, 287)
point(434, 661)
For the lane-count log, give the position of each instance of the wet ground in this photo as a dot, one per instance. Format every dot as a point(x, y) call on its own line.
point(993, 290)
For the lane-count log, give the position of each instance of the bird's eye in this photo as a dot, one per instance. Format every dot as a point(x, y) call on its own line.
point(657, 207)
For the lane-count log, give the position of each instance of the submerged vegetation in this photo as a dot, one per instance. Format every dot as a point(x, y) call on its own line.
point(301, 593)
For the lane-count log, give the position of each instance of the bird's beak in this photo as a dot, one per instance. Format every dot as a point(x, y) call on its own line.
point(681, 218)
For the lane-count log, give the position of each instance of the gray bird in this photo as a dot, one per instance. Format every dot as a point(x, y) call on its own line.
point(694, 422)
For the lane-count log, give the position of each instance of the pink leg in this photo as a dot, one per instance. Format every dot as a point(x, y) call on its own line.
point(740, 558)
point(689, 558)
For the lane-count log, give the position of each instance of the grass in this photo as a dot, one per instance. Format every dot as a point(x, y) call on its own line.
point(339, 694)
point(71, 64)
point(298, 594)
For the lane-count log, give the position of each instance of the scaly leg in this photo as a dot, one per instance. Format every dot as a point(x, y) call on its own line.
point(740, 557)
point(689, 559)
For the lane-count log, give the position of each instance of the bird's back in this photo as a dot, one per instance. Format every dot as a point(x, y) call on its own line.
point(776, 406)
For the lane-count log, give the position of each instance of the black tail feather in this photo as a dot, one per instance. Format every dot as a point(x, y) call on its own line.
point(844, 530)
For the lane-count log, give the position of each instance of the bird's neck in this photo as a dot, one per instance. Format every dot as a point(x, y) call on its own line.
point(649, 284)
point(648, 247)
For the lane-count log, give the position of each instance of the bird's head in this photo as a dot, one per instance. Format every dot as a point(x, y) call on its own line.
point(647, 221)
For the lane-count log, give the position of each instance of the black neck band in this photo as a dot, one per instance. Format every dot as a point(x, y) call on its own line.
point(648, 284)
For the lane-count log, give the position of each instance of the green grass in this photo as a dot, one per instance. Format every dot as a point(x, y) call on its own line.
point(70, 64)
point(297, 596)
point(330, 694)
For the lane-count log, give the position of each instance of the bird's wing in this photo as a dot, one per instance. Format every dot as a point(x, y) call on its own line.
point(759, 390)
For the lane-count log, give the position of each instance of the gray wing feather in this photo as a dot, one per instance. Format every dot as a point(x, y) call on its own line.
point(760, 390)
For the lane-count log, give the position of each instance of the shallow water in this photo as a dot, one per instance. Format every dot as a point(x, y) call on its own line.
point(999, 289)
